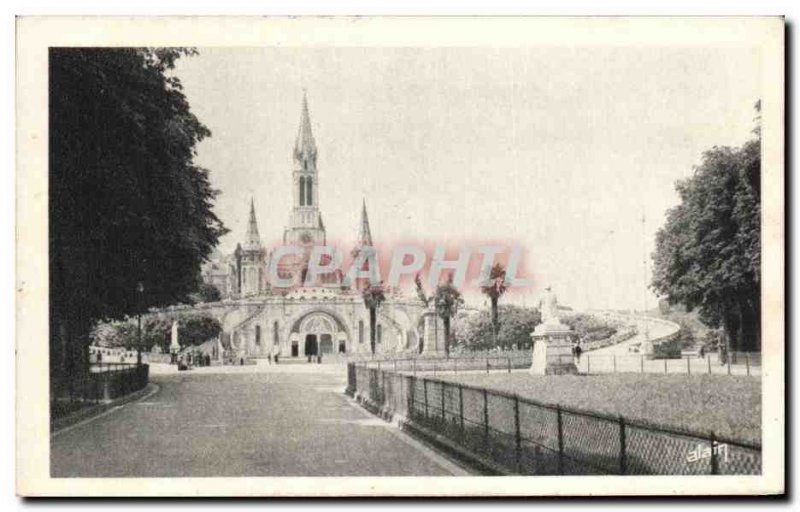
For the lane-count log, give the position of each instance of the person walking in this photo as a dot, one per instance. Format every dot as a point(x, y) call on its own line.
point(578, 351)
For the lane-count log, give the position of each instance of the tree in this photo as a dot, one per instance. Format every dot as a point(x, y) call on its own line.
point(196, 329)
point(127, 203)
point(708, 253)
point(207, 293)
point(373, 297)
point(589, 327)
point(474, 332)
point(447, 300)
point(494, 289)
point(421, 291)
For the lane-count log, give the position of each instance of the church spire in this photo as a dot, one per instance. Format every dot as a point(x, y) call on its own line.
point(252, 240)
point(364, 234)
point(304, 146)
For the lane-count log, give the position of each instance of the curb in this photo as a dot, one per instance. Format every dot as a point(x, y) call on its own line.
point(89, 413)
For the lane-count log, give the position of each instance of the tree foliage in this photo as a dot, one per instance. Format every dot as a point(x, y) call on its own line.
point(373, 297)
point(474, 332)
point(589, 327)
point(193, 329)
point(447, 300)
point(127, 203)
point(206, 293)
point(494, 289)
point(708, 253)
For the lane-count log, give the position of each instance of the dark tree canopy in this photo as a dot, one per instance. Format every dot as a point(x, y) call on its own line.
point(127, 203)
point(708, 253)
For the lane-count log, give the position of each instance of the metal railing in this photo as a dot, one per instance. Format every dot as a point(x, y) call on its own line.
point(110, 367)
point(452, 364)
point(744, 364)
point(528, 437)
point(72, 393)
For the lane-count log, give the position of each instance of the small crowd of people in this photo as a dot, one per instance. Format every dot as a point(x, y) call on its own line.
point(188, 360)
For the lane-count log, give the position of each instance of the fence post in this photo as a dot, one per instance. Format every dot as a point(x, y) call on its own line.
point(615, 363)
point(708, 359)
point(560, 441)
point(411, 388)
point(444, 418)
point(747, 362)
point(395, 366)
point(461, 406)
point(455, 366)
point(414, 366)
point(434, 368)
point(714, 461)
point(642, 358)
point(665, 366)
point(485, 418)
point(688, 366)
point(487, 366)
point(518, 436)
point(509, 365)
point(588, 364)
point(425, 389)
point(729, 363)
point(623, 454)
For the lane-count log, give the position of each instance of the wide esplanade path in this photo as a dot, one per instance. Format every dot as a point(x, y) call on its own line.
point(289, 420)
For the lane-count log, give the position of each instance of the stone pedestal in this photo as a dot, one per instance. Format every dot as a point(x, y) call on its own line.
point(552, 350)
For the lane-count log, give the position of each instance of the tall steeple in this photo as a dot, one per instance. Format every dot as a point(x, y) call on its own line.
point(305, 149)
point(364, 234)
point(305, 221)
point(252, 241)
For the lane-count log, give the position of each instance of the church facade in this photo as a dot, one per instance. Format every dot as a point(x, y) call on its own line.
point(260, 319)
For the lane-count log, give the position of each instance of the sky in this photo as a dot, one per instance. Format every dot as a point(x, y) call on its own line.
point(562, 150)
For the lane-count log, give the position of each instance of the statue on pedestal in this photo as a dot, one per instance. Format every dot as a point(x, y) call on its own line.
point(552, 341)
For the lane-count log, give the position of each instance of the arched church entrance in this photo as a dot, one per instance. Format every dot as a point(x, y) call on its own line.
point(320, 333)
point(311, 345)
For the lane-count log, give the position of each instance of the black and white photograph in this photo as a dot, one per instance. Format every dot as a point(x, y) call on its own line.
point(470, 249)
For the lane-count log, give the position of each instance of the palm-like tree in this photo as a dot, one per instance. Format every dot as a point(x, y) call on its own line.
point(373, 298)
point(494, 288)
point(447, 301)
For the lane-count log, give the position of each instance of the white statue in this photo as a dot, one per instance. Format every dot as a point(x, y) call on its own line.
point(174, 346)
point(549, 307)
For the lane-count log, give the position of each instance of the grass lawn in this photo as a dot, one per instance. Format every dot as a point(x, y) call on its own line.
point(730, 406)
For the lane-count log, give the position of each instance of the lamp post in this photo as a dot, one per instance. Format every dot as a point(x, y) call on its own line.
point(140, 290)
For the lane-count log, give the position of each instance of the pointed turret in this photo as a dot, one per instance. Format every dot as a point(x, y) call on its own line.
point(252, 240)
point(304, 146)
point(364, 234)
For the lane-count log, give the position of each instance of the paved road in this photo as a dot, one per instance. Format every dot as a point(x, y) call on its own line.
point(645, 329)
point(242, 422)
point(620, 358)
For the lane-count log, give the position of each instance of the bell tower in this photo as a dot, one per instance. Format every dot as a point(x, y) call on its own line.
point(305, 221)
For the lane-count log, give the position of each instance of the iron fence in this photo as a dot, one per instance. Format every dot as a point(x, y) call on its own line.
point(527, 437)
point(746, 364)
point(70, 394)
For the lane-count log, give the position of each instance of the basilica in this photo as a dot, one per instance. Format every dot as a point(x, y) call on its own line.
point(261, 320)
